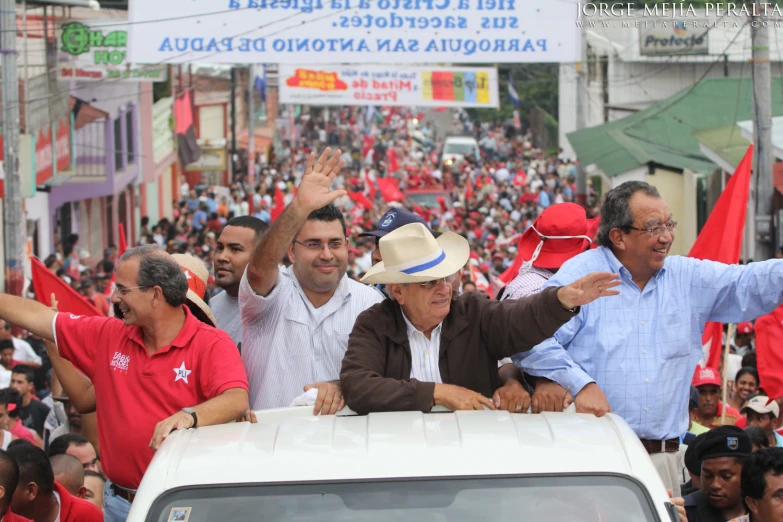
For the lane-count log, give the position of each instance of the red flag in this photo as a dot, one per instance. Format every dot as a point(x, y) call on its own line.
point(123, 242)
point(45, 283)
point(442, 202)
point(370, 186)
point(367, 144)
point(390, 189)
point(394, 165)
point(721, 240)
point(279, 204)
point(769, 331)
point(360, 199)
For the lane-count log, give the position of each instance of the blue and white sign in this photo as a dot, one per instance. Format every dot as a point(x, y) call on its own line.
point(353, 31)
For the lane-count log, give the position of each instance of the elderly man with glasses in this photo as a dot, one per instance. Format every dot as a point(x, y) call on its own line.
point(637, 354)
point(296, 321)
point(423, 348)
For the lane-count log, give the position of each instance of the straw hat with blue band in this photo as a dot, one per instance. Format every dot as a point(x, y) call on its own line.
point(411, 254)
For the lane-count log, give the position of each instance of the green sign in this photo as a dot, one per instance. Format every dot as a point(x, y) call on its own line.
point(98, 51)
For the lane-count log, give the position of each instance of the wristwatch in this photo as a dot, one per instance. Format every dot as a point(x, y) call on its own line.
point(193, 414)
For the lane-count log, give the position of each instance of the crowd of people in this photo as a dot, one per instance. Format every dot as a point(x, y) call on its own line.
point(321, 281)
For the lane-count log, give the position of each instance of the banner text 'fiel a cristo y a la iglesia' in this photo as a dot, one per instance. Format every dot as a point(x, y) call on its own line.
point(353, 31)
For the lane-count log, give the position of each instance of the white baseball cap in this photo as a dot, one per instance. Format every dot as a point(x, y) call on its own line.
point(762, 404)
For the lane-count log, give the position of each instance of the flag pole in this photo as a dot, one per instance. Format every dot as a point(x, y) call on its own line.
point(729, 337)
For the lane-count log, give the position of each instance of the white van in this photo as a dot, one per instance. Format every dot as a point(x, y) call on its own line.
point(456, 148)
point(405, 467)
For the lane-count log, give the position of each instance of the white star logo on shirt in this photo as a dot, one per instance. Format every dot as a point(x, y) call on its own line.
point(182, 373)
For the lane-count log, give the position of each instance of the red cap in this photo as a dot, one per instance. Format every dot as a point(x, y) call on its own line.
point(706, 376)
point(565, 219)
point(745, 328)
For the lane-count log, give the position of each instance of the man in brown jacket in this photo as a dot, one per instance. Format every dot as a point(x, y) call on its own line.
point(421, 348)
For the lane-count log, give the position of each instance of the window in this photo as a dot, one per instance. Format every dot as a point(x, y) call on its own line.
point(129, 115)
point(568, 498)
point(118, 164)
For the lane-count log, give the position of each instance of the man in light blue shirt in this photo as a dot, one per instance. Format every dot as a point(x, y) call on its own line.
point(641, 349)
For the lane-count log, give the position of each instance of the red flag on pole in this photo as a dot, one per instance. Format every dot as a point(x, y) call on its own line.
point(769, 332)
point(360, 199)
point(390, 189)
point(394, 165)
point(279, 204)
point(370, 186)
point(46, 283)
point(721, 240)
point(123, 242)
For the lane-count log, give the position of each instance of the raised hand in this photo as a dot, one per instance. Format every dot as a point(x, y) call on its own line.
point(588, 289)
point(315, 191)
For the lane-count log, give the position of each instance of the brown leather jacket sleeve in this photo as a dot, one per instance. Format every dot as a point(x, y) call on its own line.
point(365, 384)
point(514, 326)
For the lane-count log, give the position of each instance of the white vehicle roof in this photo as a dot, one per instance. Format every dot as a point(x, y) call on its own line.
point(292, 445)
point(461, 139)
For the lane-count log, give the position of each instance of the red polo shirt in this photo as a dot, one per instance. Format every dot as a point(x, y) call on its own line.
point(74, 509)
point(135, 391)
point(13, 517)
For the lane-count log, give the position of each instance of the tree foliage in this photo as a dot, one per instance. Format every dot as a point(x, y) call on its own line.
point(535, 83)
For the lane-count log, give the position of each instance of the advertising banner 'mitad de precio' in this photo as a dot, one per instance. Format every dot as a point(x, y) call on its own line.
point(389, 85)
point(353, 31)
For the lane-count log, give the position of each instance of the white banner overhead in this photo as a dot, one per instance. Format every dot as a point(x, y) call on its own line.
point(353, 31)
point(389, 85)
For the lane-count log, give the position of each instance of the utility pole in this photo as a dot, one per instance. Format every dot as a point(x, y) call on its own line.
point(762, 134)
point(581, 89)
point(12, 208)
point(233, 122)
point(251, 125)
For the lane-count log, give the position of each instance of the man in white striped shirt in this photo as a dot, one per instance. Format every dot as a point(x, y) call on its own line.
point(557, 235)
point(296, 321)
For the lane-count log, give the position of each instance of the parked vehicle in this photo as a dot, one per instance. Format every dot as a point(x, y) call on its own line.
point(405, 467)
point(456, 148)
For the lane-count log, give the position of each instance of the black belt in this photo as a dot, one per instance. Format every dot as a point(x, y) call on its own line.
point(127, 494)
point(661, 446)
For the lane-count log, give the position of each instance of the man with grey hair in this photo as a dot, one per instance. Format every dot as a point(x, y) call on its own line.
point(155, 370)
point(642, 349)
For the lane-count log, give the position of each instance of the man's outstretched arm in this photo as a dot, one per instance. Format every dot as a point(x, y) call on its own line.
point(27, 314)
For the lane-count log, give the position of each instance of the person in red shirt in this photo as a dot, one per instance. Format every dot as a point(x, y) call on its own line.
point(98, 300)
point(9, 478)
point(10, 406)
point(41, 499)
point(707, 381)
point(198, 376)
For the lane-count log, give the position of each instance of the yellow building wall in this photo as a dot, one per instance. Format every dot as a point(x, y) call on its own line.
point(679, 192)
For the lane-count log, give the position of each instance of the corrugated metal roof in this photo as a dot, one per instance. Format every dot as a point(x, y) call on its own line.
point(726, 141)
point(664, 133)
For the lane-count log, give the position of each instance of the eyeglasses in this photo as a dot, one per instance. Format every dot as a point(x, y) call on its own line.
point(656, 232)
point(429, 285)
point(125, 290)
point(317, 246)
